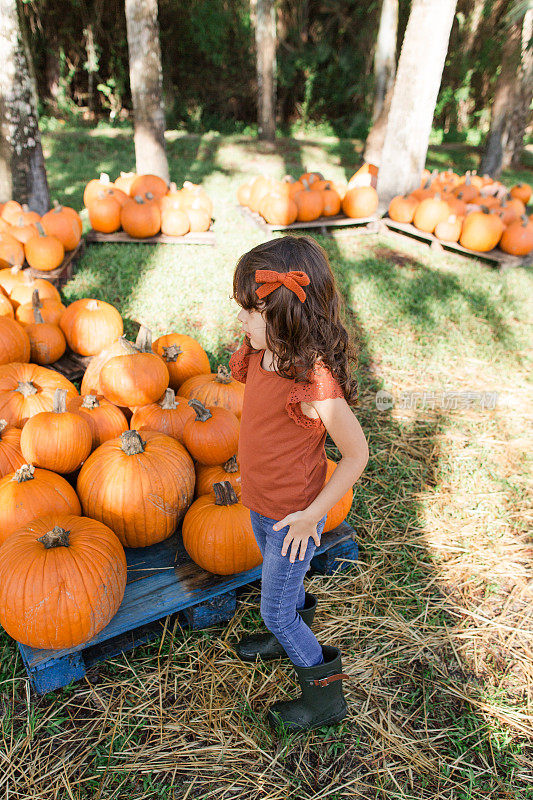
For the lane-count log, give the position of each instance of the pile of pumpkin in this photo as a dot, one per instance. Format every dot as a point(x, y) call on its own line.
point(310, 197)
point(143, 206)
point(84, 475)
point(40, 241)
point(478, 212)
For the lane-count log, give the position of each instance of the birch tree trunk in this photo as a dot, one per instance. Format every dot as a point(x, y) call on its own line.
point(385, 56)
point(414, 97)
point(512, 98)
point(265, 42)
point(146, 83)
point(22, 170)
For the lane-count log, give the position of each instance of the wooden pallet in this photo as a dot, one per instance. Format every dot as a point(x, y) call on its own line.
point(71, 365)
point(323, 224)
point(163, 580)
point(207, 237)
point(65, 271)
point(496, 258)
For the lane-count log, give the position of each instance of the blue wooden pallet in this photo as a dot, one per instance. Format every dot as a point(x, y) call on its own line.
point(163, 580)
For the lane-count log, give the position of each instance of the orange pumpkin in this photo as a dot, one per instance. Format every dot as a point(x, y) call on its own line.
point(44, 253)
point(65, 224)
point(51, 310)
point(259, 189)
point(11, 211)
point(168, 416)
point(466, 190)
point(94, 186)
point(149, 187)
point(62, 579)
point(481, 231)
point(106, 421)
point(517, 238)
point(309, 178)
point(207, 476)
point(212, 436)
point(217, 533)
point(278, 210)
point(91, 325)
point(23, 289)
point(28, 389)
point(14, 342)
point(90, 383)
point(133, 378)
point(217, 389)
point(522, 191)
point(430, 212)
point(331, 201)
point(183, 356)
point(11, 458)
point(340, 510)
point(10, 276)
point(159, 464)
point(104, 213)
point(140, 218)
point(57, 440)
point(6, 309)
point(27, 493)
point(11, 252)
point(310, 205)
point(360, 201)
point(47, 341)
point(22, 232)
point(402, 208)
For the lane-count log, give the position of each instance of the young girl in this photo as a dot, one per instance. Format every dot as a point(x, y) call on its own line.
point(295, 364)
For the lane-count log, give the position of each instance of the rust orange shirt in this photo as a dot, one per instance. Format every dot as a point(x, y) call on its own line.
point(281, 450)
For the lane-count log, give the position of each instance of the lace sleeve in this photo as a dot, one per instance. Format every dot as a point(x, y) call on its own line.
point(238, 362)
point(322, 386)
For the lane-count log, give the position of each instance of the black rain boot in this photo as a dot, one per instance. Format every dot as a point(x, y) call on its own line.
point(322, 701)
point(265, 645)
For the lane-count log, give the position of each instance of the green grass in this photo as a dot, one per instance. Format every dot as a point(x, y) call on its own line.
point(437, 632)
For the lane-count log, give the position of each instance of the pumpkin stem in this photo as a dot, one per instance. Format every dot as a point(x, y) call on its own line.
point(224, 494)
point(172, 352)
point(202, 413)
point(485, 210)
point(25, 473)
point(26, 388)
point(231, 465)
point(104, 177)
point(144, 340)
point(40, 229)
point(149, 195)
point(138, 199)
point(3, 425)
point(60, 401)
point(36, 306)
point(90, 401)
point(57, 537)
point(223, 375)
point(173, 187)
point(525, 219)
point(131, 443)
point(92, 305)
point(127, 347)
point(169, 400)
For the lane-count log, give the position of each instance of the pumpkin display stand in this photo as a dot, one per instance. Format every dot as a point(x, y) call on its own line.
point(204, 237)
point(65, 270)
point(368, 224)
point(71, 365)
point(163, 580)
point(496, 258)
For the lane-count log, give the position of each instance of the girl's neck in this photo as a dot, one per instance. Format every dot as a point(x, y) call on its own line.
point(268, 361)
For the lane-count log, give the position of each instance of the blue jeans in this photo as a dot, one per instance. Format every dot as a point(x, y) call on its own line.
point(282, 592)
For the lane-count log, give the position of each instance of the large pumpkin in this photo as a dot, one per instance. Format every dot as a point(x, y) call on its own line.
point(51, 309)
point(183, 355)
point(104, 213)
point(216, 389)
point(14, 342)
point(148, 186)
point(310, 204)
point(43, 252)
point(360, 201)
point(278, 210)
point(152, 486)
point(11, 457)
point(168, 416)
point(217, 533)
point(90, 326)
point(58, 440)
point(340, 510)
point(27, 389)
point(134, 378)
point(27, 493)
point(65, 224)
point(517, 238)
point(430, 212)
point(481, 231)
point(62, 579)
point(207, 476)
point(106, 421)
point(212, 436)
point(140, 218)
point(402, 208)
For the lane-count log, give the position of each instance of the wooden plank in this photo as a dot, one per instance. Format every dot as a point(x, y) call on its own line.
point(494, 257)
point(71, 365)
point(64, 272)
point(322, 223)
point(206, 237)
point(162, 580)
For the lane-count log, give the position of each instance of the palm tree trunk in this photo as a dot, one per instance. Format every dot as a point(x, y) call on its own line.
point(265, 40)
point(385, 56)
point(146, 82)
point(512, 98)
point(22, 169)
point(414, 97)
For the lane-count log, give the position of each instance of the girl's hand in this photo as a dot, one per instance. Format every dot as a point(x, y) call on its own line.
point(301, 529)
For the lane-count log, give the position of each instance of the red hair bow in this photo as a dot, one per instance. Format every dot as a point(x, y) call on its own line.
point(271, 280)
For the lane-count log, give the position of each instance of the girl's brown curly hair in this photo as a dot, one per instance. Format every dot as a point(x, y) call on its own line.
point(299, 333)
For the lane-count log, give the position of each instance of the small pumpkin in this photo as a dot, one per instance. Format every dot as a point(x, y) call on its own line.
point(11, 252)
point(261, 186)
point(430, 212)
point(28, 389)
point(309, 203)
point(522, 191)
point(151, 460)
point(278, 210)
point(94, 186)
point(47, 341)
point(331, 201)
point(402, 208)
point(58, 440)
point(14, 342)
point(243, 192)
point(149, 187)
point(134, 378)
point(106, 421)
point(10, 276)
point(449, 230)
point(340, 510)
point(481, 231)
point(212, 436)
point(172, 200)
point(468, 192)
point(216, 389)
point(91, 325)
point(22, 232)
point(217, 533)
point(44, 253)
point(207, 476)
point(22, 291)
point(62, 580)
point(51, 309)
point(174, 222)
point(11, 457)
point(199, 219)
point(309, 178)
point(360, 201)
point(183, 356)
point(65, 224)
point(104, 213)
point(140, 217)
point(90, 383)
point(6, 309)
point(27, 493)
point(168, 416)
point(517, 238)
point(125, 181)
point(11, 211)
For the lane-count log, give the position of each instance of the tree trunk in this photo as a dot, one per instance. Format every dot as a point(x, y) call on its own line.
point(146, 83)
point(265, 41)
point(385, 56)
point(376, 137)
point(22, 170)
point(414, 97)
point(512, 98)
